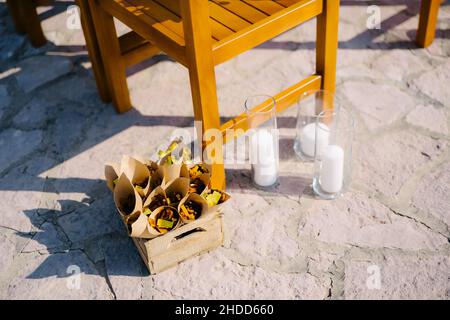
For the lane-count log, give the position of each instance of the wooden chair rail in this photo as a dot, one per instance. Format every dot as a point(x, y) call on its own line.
point(136, 49)
point(283, 100)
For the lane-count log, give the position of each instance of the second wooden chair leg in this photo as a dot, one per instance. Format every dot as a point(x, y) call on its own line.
point(327, 44)
point(14, 10)
point(94, 51)
point(31, 22)
point(114, 64)
point(427, 22)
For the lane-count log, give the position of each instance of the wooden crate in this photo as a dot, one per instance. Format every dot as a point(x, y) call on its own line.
point(192, 239)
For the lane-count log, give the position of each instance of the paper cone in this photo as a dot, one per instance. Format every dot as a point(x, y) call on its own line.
point(156, 178)
point(141, 228)
point(152, 166)
point(219, 206)
point(127, 167)
point(140, 177)
point(156, 212)
point(131, 218)
point(194, 198)
point(112, 172)
point(126, 198)
point(184, 171)
point(206, 166)
point(205, 178)
point(171, 172)
point(180, 186)
point(151, 197)
point(142, 160)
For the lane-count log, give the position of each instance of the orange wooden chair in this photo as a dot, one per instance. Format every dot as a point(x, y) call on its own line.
point(427, 23)
point(26, 20)
point(201, 34)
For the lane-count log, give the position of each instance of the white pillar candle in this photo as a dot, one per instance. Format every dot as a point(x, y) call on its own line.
point(263, 156)
point(332, 169)
point(308, 138)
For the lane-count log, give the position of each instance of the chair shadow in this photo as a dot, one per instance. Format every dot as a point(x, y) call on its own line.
point(114, 253)
point(57, 7)
point(95, 189)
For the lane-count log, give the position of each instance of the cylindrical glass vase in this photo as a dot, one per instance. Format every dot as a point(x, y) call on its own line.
point(263, 140)
point(310, 105)
point(333, 160)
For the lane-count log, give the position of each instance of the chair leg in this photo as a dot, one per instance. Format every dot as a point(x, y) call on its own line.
point(93, 50)
point(427, 22)
point(204, 98)
point(327, 44)
point(206, 110)
point(114, 64)
point(14, 10)
point(31, 22)
point(203, 80)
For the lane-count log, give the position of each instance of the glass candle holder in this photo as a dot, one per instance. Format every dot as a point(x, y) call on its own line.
point(310, 106)
point(263, 140)
point(332, 162)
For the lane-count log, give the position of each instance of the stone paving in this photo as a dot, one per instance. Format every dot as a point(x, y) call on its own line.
point(56, 135)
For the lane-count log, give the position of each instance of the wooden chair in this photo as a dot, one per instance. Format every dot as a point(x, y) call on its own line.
point(427, 23)
point(201, 34)
point(26, 20)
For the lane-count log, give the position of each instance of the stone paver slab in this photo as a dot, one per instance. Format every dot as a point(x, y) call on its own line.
point(361, 221)
point(433, 192)
point(434, 83)
point(15, 144)
point(400, 278)
point(431, 118)
point(386, 163)
point(379, 104)
point(228, 280)
point(52, 277)
point(39, 70)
